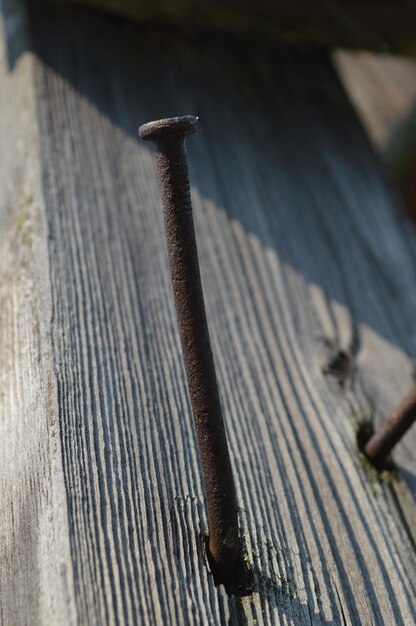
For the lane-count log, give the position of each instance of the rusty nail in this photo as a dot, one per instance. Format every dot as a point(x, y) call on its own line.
point(169, 135)
point(381, 443)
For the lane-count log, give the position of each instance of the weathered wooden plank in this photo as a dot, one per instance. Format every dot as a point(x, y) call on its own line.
point(303, 252)
point(382, 87)
point(36, 577)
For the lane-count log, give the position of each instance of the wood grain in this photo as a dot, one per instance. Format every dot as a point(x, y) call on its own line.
point(304, 255)
point(36, 577)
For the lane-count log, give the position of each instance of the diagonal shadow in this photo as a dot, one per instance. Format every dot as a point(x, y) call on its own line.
point(271, 151)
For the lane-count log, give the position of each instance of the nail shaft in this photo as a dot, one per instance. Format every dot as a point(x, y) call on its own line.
point(169, 138)
point(382, 442)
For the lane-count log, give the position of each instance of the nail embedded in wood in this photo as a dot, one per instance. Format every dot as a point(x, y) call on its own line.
point(381, 443)
point(169, 135)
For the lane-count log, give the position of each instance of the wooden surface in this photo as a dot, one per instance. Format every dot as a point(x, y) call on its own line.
point(382, 87)
point(36, 577)
point(305, 255)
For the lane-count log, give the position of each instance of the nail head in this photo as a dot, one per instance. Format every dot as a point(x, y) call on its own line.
point(168, 127)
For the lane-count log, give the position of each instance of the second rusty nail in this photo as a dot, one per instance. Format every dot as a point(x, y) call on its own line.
point(169, 135)
point(381, 443)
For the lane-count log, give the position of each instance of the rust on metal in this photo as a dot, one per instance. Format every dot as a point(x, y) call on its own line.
point(169, 135)
point(381, 443)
